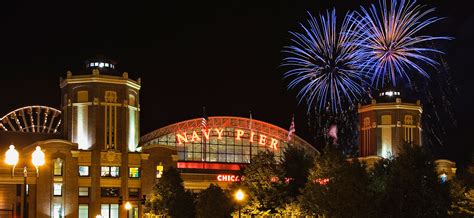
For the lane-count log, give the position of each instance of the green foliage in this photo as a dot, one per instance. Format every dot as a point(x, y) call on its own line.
point(213, 203)
point(412, 187)
point(345, 194)
point(169, 197)
point(263, 179)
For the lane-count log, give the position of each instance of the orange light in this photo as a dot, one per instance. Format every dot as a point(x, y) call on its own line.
point(181, 138)
point(262, 140)
point(252, 134)
point(239, 134)
point(219, 133)
point(274, 143)
point(195, 137)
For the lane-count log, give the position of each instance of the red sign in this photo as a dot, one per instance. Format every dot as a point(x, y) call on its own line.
point(228, 178)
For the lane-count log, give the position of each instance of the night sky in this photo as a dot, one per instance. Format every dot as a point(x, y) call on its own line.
point(223, 55)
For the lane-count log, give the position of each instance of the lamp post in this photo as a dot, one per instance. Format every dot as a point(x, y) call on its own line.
point(37, 158)
point(239, 196)
point(128, 206)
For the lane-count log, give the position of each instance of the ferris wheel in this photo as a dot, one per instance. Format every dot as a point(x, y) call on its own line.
point(36, 118)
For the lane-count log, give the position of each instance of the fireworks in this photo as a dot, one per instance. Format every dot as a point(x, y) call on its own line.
point(324, 63)
point(389, 41)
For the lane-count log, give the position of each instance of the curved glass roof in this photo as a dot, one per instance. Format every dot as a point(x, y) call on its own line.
point(226, 139)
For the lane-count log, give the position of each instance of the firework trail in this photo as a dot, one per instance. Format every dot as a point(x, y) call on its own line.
point(324, 65)
point(389, 42)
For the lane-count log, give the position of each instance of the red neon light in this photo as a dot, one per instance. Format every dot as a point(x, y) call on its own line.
point(227, 178)
point(209, 166)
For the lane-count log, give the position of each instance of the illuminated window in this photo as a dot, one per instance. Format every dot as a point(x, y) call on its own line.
point(83, 170)
point(134, 172)
point(109, 210)
point(159, 170)
point(58, 167)
point(82, 96)
point(101, 64)
point(83, 191)
point(106, 64)
point(83, 211)
point(443, 177)
point(134, 192)
point(109, 192)
point(58, 210)
point(57, 189)
point(108, 171)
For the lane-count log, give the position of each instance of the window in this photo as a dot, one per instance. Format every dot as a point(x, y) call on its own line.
point(109, 192)
point(134, 193)
point(83, 191)
point(83, 211)
point(109, 210)
point(58, 167)
point(159, 170)
point(108, 171)
point(83, 170)
point(58, 211)
point(57, 189)
point(134, 172)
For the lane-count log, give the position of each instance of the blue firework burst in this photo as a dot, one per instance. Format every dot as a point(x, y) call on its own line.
point(389, 40)
point(324, 65)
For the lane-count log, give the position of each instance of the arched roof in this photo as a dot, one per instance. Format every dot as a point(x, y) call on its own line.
point(227, 122)
point(35, 119)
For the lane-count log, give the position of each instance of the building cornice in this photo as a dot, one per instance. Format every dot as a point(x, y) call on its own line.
point(100, 79)
point(399, 106)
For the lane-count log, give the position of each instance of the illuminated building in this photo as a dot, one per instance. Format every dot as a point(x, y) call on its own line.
point(387, 123)
point(93, 157)
point(215, 154)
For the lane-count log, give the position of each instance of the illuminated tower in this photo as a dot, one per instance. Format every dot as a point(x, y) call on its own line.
point(387, 123)
point(100, 111)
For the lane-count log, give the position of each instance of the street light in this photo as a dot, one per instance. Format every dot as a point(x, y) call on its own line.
point(37, 158)
point(128, 206)
point(12, 157)
point(239, 196)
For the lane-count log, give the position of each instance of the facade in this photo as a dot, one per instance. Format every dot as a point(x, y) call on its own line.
point(215, 153)
point(386, 125)
point(97, 163)
point(94, 163)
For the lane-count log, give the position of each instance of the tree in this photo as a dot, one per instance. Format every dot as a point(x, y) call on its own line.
point(263, 179)
point(413, 188)
point(213, 203)
point(169, 197)
point(296, 164)
point(336, 187)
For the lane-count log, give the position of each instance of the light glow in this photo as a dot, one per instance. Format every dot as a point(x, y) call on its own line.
point(37, 158)
point(128, 206)
point(239, 195)
point(12, 156)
